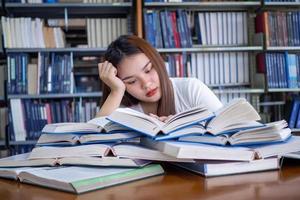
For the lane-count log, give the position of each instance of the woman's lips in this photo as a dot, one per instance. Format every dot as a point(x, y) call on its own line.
point(151, 92)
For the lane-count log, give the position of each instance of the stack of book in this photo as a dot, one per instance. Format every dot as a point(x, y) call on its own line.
point(127, 142)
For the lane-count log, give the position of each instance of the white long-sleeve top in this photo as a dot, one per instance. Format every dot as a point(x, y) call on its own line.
point(189, 93)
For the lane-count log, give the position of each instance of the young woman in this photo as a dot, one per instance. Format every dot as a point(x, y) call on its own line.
point(135, 76)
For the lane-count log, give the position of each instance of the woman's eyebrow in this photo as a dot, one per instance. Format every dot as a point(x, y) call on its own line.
point(128, 77)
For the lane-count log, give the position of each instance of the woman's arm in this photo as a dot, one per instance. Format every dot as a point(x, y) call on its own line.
point(108, 74)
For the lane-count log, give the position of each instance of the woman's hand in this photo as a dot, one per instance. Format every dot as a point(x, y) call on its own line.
point(108, 74)
point(162, 118)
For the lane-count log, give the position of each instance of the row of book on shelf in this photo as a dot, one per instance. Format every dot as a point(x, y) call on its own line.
point(213, 69)
point(66, 1)
point(54, 72)
point(197, 140)
point(282, 69)
point(281, 28)
point(28, 117)
point(34, 33)
point(38, 34)
point(173, 29)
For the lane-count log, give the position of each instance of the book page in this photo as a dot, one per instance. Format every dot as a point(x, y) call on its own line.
point(100, 121)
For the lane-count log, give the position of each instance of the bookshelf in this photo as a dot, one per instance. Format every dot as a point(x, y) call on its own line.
point(80, 23)
point(282, 81)
point(225, 89)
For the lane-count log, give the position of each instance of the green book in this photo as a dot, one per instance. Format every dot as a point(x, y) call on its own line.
point(79, 179)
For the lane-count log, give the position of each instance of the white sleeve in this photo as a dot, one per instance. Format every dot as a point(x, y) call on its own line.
point(201, 95)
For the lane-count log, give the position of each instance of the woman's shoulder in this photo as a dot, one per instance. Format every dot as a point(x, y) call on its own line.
point(186, 82)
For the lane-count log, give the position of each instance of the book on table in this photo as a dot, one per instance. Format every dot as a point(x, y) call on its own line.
point(123, 155)
point(96, 125)
point(75, 139)
point(197, 120)
point(272, 132)
point(78, 180)
point(221, 168)
point(188, 150)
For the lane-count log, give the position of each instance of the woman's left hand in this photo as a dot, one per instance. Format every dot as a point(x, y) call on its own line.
point(162, 118)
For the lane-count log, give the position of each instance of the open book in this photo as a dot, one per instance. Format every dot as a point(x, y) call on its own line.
point(79, 179)
point(271, 132)
point(151, 126)
point(221, 168)
point(96, 125)
point(74, 139)
point(188, 150)
point(125, 155)
point(24, 160)
point(236, 115)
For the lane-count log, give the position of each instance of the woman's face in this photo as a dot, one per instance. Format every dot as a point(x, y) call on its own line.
point(140, 78)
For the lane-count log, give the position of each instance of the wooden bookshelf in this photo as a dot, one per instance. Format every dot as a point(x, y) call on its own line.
point(206, 6)
point(57, 96)
point(71, 10)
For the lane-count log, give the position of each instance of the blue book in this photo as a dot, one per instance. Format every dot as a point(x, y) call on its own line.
point(213, 122)
point(291, 75)
point(268, 133)
point(221, 168)
point(294, 113)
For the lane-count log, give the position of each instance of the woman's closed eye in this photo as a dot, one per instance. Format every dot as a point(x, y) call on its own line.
point(148, 69)
point(130, 82)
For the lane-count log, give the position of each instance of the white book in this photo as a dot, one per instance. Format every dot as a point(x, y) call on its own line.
point(99, 31)
point(81, 179)
point(221, 168)
point(214, 28)
point(240, 67)
point(12, 25)
point(230, 28)
point(233, 67)
point(220, 28)
point(217, 68)
point(200, 67)
point(240, 28)
point(114, 29)
point(280, 148)
point(203, 29)
point(221, 69)
point(271, 132)
point(206, 69)
point(225, 27)
point(208, 28)
point(5, 31)
point(245, 28)
point(246, 65)
point(105, 33)
point(109, 30)
point(234, 28)
point(93, 33)
point(151, 126)
point(18, 119)
point(124, 27)
point(187, 150)
point(212, 69)
point(89, 33)
point(227, 72)
point(194, 65)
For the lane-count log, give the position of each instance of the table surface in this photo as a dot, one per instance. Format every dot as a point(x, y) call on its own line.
point(179, 184)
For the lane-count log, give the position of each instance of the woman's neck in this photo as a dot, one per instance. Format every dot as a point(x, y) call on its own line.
point(149, 107)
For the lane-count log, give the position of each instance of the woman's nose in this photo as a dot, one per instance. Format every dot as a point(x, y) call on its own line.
point(146, 84)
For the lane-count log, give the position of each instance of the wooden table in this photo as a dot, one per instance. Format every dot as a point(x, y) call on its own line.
point(179, 184)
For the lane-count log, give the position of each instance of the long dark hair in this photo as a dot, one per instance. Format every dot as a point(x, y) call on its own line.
point(127, 45)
